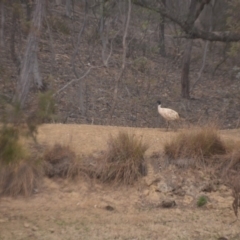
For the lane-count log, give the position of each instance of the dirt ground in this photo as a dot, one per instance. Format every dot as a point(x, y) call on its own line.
point(63, 209)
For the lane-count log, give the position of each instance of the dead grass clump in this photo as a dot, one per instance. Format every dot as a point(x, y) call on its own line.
point(123, 161)
point(20, 178)
point(230, 165)
point(235, 185)
point(195, 145)
point(60, 161)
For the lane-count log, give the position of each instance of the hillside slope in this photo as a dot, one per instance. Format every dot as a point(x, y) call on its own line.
point(80, 209)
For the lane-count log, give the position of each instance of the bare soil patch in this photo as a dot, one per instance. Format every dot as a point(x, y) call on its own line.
point(82, 209)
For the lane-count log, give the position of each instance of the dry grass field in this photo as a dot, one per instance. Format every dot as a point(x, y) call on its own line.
point(85, 209)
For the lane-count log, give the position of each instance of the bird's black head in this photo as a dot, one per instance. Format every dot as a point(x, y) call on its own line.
point(159, 102)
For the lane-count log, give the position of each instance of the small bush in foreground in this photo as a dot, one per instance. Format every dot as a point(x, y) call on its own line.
point(10, 148)
point(195, 145)
point(18, 175)
point(20, 178)
point(60, 161)
point(202, 200)
point(124, 159)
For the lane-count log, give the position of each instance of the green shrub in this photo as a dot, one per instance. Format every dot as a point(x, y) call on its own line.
point(10, 148)
point(202, 200)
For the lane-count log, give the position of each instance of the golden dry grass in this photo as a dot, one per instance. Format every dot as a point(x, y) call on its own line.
point(20, 178)
point(62, 199)
point(123, 161)
point(60, 161)
point(195, 144)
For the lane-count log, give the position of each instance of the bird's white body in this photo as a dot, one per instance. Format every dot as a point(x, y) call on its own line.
point(168, 114)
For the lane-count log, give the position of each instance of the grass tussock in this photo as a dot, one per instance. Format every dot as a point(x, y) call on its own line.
point(202, 200)
point(20, 178)
point(60, 161)
point(196, 145)
point(123, 161)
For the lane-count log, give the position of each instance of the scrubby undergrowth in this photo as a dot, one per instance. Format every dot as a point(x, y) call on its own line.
point(195, 146)
point(21, 178)
point(60, 161)
point(123, 161)
point(21, 171)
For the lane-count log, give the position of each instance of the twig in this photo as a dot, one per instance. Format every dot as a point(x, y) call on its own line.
point(203, 64)
point(73, 80)
point(109, 55)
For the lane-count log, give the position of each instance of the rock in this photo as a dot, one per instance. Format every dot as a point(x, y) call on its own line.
point(210, 206)
point(187, 199)
point(109, 208)
point(151, 180)
point(51, 230)
point(34, 228)
point(163, 187)
point(179, 192)
point(168, 203)
point(190, 189)
point(26, 225)
point(208, 187)
point(153, 197)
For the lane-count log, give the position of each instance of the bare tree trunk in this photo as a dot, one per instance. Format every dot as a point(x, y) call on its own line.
point(185, 69)
point(162, 33)
point(81, 85)
point(194, 11)
point(28, 65)
point(36, 74)
point(12, 39)
point(123, 59)
point(68, 7)
point(104, 32)
point(104, 39)
point(29, 5)
point(2, 24)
